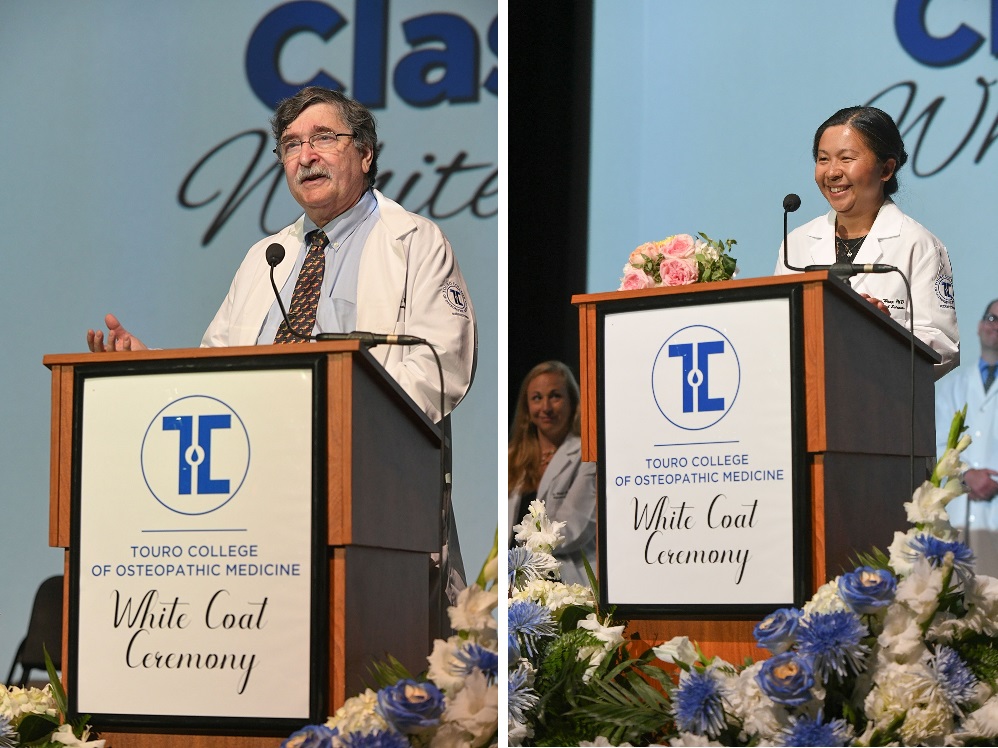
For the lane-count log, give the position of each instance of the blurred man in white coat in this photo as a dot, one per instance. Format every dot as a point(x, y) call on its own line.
point(977, 512)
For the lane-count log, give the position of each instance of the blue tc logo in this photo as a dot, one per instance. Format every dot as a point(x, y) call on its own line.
point(695, 377)
point(195, 455)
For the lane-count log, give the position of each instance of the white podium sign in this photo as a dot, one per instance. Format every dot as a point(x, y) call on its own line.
point(698, 461)
point(194, 566)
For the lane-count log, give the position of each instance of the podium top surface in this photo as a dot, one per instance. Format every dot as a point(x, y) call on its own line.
point(821, 278)
point(357, 349)
point(168, 354)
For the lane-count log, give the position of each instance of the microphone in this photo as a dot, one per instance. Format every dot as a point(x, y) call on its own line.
point(371, 338)
point(275, 255)
point(790, 203)
point(840, 270)
point(844, 270)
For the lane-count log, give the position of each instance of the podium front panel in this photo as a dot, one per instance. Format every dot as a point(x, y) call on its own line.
point(196, 562)
point(703, 505)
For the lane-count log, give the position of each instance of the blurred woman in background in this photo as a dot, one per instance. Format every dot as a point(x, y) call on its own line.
point(545, 463)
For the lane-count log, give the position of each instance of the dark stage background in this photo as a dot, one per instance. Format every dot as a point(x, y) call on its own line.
point(550, 52)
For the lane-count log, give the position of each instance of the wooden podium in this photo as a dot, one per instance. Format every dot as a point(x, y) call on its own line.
point(376, 487)
point(854, 429)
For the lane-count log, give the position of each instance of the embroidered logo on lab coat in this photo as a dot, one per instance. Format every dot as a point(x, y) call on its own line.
point(455, 297)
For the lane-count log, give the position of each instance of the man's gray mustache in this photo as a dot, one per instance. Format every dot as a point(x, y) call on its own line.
point(307, 172)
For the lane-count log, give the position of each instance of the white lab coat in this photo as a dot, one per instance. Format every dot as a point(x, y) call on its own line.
point(959, 388)
point(409, 283)
point(568, 490)
point(894, 239)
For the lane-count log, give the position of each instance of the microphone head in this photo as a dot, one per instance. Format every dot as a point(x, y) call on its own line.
point(791, 203)
point(275, 254)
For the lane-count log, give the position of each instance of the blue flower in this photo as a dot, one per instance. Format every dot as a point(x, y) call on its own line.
point(525, 565)
point(410, 707)
point(935, 550)
point(310, 736)
point(957, 682)
point(867, 590)
point(376, 739)
point(833, 642)
point(776, 631)
point(521, 697)
point(805, 731)
point(8, 737)
point(530, 622)
point(786, 678)
point(699, 704)
point(476, 657)
point(512, 647)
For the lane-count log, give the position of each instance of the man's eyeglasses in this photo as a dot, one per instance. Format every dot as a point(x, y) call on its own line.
point(992, 318)
point(322, 142)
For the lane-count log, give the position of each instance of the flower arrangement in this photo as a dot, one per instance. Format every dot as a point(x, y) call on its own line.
point(901, 651)
point(454, 703)
point(678, 260)
point(36, 717)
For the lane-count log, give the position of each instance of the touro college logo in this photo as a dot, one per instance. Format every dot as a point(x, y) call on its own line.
point(695, 377)
point(195, 455)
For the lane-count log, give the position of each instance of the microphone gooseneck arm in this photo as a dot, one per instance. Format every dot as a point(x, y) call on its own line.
point(790, 203)
point(275, 254)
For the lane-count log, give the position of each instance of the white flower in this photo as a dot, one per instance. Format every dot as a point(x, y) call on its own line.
point(919, 591)
point(474, 711)
point(555, 596)
point(490, 572)
point(899, 552)
point(826, 599)
point(928, 505)
point(897, 688)
point(950, 465)
point(358, 715)
point(63, 735)
point(445, 666)
point(981, 599)
point(982, 723)
point(610, 638)
point(676, 649)
point(928, 723)
point(910, 691)
point(692, 739)
point(536, 531)
point(16, 702)
point(600, 741)
point(901, 640)
point(518, 733)
point(473, 610)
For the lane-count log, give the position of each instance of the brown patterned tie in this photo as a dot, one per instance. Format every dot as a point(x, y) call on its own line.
point(305, 299)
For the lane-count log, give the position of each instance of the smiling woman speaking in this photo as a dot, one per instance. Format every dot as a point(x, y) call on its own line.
point(857, 154)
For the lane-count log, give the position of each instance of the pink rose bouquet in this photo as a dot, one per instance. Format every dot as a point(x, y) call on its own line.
point(678, 260)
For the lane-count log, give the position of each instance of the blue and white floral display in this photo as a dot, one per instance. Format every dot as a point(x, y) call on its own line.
point(901, 651)
point(455, 705)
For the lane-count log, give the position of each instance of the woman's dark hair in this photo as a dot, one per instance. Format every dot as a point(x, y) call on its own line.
point(878, 131)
